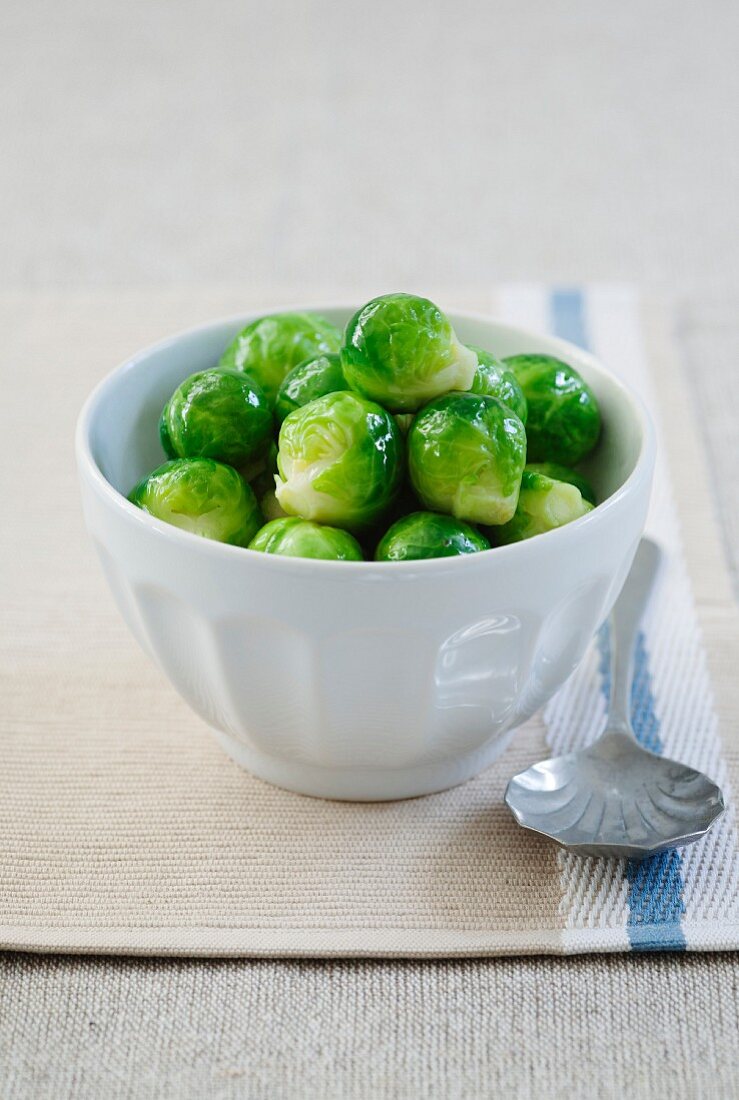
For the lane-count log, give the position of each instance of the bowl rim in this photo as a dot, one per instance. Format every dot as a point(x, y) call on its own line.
point(527, 548)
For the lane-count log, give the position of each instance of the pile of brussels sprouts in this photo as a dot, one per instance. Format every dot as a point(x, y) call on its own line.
point(391, 441)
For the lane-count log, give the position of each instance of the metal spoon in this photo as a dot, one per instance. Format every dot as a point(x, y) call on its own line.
point(615, 798)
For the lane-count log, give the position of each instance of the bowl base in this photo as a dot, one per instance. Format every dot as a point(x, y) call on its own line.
point(363, 784)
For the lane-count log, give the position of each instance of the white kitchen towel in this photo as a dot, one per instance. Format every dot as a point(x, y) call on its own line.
point(683, 897)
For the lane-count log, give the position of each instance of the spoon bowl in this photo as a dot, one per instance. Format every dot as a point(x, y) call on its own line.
point(615, 798)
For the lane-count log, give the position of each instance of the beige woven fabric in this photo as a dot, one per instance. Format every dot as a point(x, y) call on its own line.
point(125, 828)
point(549, 1029)
point(709, 336)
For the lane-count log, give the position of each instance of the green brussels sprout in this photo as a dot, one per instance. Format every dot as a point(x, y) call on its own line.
point(201, 496)
point(314, 377)
point(466, 454)
point(300, 538)
point(269, 348)
point(495, 379)
point(543, 504)
point(339, 461)
point(402, 351)
point(563, 423)
point(564, 473)
point(429, 535)
point(219, 414)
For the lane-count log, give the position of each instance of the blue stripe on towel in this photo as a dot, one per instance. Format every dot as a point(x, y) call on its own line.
point(568, 312)
point(655, 885)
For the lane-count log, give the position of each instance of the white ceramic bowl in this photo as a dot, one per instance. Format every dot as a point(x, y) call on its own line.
point(358, 680)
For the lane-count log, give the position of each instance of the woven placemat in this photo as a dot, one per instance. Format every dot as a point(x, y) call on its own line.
point(123, 827)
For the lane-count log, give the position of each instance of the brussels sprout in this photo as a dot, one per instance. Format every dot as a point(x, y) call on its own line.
point(543, 504)
point(314, 377)
point(495, 379)
point(339, 461)
point(466, 454)
point(563, 423)
point(402, 351)
point(201, 496)
point(429, 535)
point(219, 414)
point(300, 538)
point(269, 348)
point(564, 473)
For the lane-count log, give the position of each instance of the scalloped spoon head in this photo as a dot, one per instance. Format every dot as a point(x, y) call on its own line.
point(615, 799)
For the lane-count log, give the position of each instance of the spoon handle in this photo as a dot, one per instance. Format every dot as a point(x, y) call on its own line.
point(625, 619)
